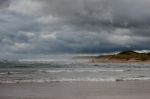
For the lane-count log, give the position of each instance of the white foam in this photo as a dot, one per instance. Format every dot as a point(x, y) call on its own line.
point(57, 80)
point(138, 78)
point(75, 80)
point(3, 73)
point(80, 71)
point(6, 73)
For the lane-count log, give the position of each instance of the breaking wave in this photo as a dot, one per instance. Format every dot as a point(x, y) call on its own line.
point(76, 80)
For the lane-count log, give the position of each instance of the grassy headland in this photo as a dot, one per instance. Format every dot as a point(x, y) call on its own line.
point(122, 57)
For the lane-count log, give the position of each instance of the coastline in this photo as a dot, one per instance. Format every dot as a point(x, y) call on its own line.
point(130, 57)
point(116, 79)
point(106, 60)
point(77, 90)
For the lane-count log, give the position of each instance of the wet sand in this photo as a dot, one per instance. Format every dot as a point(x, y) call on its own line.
point(77, 90)
point(106, 60)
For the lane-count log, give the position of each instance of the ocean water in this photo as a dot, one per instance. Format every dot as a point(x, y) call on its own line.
point(58, 70)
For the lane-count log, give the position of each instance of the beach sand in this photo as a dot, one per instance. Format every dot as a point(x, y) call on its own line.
point(106, 60)
point(77, 90)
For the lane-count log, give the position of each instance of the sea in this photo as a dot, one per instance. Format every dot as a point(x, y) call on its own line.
point(69, 69)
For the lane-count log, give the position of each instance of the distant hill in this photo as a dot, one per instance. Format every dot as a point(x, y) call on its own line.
point(128, 52)
point(125, 56)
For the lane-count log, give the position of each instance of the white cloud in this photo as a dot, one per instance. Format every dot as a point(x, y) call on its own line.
point(49, 19)
point(25, 6)
point(21, 46)
point(120, 40)
point(27, 34)
point(47, 36)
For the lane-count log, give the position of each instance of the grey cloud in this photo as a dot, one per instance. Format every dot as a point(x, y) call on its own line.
point(117, 13)
point(4, 4)
point(75, 26)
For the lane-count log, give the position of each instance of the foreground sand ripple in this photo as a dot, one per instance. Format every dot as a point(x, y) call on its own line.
point(77, 90)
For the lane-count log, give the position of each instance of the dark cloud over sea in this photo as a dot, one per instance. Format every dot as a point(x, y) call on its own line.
point(73, 26)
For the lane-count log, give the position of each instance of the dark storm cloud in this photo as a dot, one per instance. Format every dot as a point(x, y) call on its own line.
point(122, 23)
point(4, 4)
point(117, 13)
point(74, 26)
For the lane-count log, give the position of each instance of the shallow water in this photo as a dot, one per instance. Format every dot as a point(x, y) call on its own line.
point(70, 70)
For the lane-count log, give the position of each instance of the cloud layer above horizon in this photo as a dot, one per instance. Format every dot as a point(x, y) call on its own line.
point(73, 26)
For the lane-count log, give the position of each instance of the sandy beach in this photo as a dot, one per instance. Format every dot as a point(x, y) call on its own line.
point(77, 90)
point(103, 60)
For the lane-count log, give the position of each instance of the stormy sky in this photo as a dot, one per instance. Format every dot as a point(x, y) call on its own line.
point(73, 26)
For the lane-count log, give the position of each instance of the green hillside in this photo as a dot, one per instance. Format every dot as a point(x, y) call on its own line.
point(128, 55)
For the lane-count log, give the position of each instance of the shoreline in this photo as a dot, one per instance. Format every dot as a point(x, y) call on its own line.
point(140, 78)
point(77, 90)
point(119, 61)
point(122, 57)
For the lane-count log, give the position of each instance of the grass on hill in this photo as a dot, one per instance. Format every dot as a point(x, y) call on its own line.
point(128, 55)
